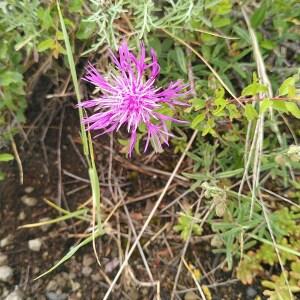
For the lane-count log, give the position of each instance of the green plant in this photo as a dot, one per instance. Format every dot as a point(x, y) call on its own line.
point(276, 288)
point(4, 157)
point(251, 265)
point(247, 135)
point(187, 225)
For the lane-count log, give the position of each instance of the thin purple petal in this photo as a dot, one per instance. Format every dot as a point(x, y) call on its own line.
point(130, 98)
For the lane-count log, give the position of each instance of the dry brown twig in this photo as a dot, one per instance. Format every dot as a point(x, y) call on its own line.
point(154, 209)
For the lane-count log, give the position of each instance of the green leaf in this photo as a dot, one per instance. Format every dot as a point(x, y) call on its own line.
point(288, 87)
point(187, 225)
point(123, 142)
point(231, 173)
point(279, 106)
point(250, 112)
point(222, 7)
point(219, 93)
point(59, 35)
point(221, 104)
point(293, 108)
point(6, 157)
point(181, 59)
point(219, 22)
point(209, 128)
point(264, 105)
point(198, 103)
point(46, 44)
point(60, 48)
point(209, 40)
point(156, 44)
point(75, 5)
point(254, 89)
point(268, 44)
point(259, 14)
point(9, 77)
point(45, 16)
point(242, 33)
point(233, 111)
point(85, 30)
point(198, 120)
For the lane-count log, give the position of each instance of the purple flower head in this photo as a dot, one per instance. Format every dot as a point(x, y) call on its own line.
point(130, 98)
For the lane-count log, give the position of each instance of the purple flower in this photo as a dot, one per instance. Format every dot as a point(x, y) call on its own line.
point(130, 98)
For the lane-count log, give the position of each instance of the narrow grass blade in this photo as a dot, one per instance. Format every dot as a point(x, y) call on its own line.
point(55, 206)
point(71, 252)
point(280, 247)
point(74, 78)
point(76, 214)
point(89, 156)
point(223, 36)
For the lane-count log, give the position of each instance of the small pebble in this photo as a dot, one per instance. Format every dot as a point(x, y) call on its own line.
point(29, 201)
point(251, 292)
point(72, 275)
point(51, 286)
point(144, 291)
point(86, 271)
point(3, 259)
point(46, 226)
point(35, 245)
point(6, 241)
point(6, 273)
point(111, 265)
point(87, 260)
point(15, 295)
point(75, 286)
point(29, 189)
point(55, 296)
point(96, 277)
point(191, 296)
point(21, 216)
point(62, 279)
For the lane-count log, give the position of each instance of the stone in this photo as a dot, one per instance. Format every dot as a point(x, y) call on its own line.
point(56, 296)
point(96, 277)
point(87, 260)
point(45, 227)
point(75, 286)
point(6, 241)
point(191, 296)
point(3, 259)
point(29, 189)
point(6, 273)
point(15, 295)
point(22, 216)
point(35, 245)
point(52, 285)
point(251, 292)
point(86, 271)
point(111, 265)
point(29, 201)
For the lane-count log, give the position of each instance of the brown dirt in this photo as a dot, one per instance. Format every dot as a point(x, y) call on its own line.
point(81, 277)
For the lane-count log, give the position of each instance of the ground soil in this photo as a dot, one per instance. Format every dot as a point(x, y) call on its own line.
point(81, 277)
